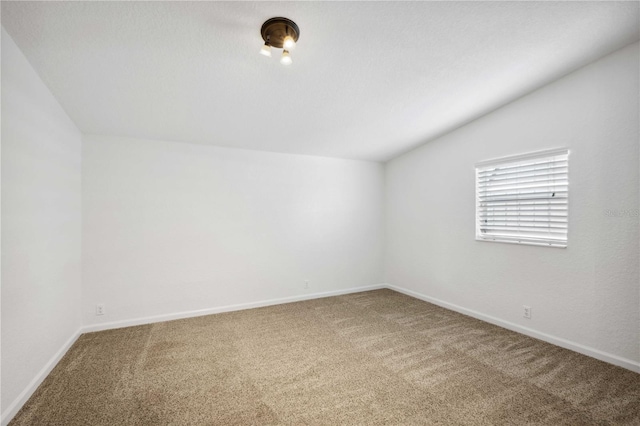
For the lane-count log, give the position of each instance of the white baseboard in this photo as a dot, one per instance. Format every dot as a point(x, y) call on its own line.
point(558, 341)
point(221, 309)
point(24, 396)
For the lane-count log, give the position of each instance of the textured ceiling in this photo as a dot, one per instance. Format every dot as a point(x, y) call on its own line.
point(369, 80)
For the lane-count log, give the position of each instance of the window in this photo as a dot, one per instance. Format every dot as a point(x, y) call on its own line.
point(524, 199)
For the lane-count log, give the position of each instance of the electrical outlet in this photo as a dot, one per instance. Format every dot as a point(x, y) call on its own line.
point(100, 309)
point(306, 284)
point(527, 311)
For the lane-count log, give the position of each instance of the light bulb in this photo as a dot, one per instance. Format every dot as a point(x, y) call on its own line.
point(288, 42)
point(286, 58)
point(266, 50)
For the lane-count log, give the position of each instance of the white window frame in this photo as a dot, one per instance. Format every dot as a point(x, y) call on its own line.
point(532, 207)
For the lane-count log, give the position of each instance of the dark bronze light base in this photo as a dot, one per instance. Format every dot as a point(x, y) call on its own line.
point(275, 30)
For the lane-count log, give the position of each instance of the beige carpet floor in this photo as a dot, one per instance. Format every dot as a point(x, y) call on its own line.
point(378, 357)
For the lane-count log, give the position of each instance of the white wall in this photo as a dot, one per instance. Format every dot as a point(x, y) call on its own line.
point(172, 227)
point(41, 224)
point(588, 293)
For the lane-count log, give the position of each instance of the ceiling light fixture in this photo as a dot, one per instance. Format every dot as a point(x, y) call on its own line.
point(281, 33)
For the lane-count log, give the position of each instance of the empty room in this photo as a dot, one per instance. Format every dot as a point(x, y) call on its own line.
point(320, 213)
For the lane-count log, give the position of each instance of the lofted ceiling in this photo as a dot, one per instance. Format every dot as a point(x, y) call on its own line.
point(369, 80)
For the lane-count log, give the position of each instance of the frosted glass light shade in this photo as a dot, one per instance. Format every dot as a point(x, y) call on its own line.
point(286, 58)
point(289, 42)
point(266, 50)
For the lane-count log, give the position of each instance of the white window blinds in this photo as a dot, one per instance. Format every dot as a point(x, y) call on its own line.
point(524, 199)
